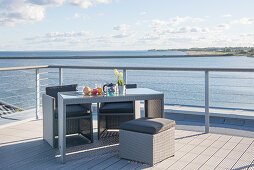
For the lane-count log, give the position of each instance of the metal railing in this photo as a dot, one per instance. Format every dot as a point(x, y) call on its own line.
point(59, 69)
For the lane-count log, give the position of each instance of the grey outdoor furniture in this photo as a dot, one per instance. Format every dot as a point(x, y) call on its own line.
point(111, 114)
point(78, 116)
point(147, 140)
point(154, 107)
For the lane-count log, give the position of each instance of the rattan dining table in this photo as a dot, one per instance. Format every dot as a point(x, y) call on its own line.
point(153, 107)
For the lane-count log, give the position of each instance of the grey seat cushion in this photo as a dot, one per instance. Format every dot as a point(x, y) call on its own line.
point(148, 125)
point(75, 110)
point(117, 107)
point(131, 86)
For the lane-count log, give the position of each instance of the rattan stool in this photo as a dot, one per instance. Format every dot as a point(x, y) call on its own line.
point(147, 140)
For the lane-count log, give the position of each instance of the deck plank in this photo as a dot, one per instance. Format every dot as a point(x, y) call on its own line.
point(29, 155)
point(82, 160)
point(22, 147)
point(131, 166)
point(180, 153)
point(106, 163)
point(93, 162)
point(118, 165)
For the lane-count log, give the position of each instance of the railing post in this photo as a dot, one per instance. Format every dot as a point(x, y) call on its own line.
point(60, 77)
point(207, 116)
point(125, 76)
point(37, 91)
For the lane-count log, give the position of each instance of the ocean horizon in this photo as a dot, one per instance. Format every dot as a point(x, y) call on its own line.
point(54, 53)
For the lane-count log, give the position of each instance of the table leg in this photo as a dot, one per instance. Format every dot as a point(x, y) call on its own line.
point(162, 107)
point(154, 108)
point(137, 109)
point(61, 128)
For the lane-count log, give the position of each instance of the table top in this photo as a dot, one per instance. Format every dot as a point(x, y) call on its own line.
point(131, 94)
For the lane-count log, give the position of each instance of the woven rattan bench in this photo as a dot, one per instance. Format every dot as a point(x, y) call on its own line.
point(147, 140)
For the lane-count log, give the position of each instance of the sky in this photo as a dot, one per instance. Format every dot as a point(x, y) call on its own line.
point(124, 24)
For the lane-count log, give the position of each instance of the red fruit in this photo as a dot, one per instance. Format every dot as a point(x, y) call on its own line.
point(95, 91)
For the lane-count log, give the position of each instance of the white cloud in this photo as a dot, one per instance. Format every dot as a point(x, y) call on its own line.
point(61, 37)
point(47, 2)
point(83, 40)
point(78, 16)
point(181, 30)
point(189, 40)
point(177, 20)
point(122, 35)
point(174, 21)
point(199, 30)
point(191, 29)
point(67, 34)
point(223, 27)
point(23, 11)
point(244, 21)
point(159, 23)
point(88, 3)
point(250, 35)
point(122, 27)
point(174, 38)
point(247, 35)
point(19, 11)
point(151, 36)
point(227, 16)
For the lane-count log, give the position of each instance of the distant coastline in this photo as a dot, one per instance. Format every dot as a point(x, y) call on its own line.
point(225, 51)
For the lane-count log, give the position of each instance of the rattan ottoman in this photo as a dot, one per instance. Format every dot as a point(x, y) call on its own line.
point(147, 140)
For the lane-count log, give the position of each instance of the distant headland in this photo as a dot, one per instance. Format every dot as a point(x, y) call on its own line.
point(220, 51)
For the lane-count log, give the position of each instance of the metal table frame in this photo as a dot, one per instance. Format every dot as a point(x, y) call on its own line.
point(154, 107)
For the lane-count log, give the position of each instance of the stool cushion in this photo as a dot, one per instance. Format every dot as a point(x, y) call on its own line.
point(148, 125)
point(117, 107)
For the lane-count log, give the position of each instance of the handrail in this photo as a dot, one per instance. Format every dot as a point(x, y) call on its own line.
point(110, 57)
point(23, 68)
point(157, 68)
point(133, 68)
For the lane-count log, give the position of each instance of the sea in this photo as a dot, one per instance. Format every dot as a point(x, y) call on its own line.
point(227, 89)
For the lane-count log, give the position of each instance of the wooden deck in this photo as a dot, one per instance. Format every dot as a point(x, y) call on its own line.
point(22, 147)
